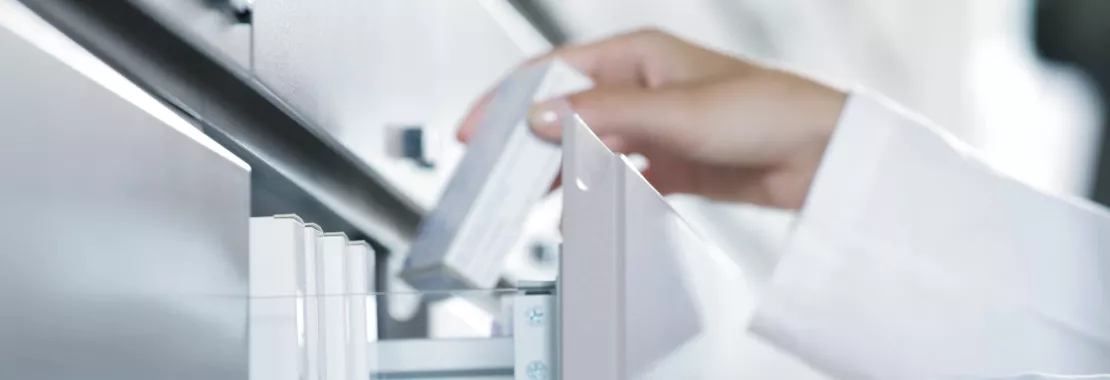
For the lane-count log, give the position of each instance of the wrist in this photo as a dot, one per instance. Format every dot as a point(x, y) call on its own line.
point(819, 107)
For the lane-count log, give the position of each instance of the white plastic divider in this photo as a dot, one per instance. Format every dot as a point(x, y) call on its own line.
point(312, 314)
point(332, 281)
point(591, 268)
point(311, 307)
point(276, 243)
point(359, 256)
point(624, 289)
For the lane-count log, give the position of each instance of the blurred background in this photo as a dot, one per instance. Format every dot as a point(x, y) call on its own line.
point(1019, 79)
point(323, 98)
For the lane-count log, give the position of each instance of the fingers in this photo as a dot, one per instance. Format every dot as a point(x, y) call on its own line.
point(470, 122)
point(617, 61)
point(633, 114)
point(546, 118)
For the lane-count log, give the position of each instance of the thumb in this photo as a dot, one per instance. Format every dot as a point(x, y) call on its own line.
point(638, 114)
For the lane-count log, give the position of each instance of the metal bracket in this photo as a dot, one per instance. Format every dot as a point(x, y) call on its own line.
point(534, 335)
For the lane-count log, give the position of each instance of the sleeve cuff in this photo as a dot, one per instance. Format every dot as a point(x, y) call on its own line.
point(912, 258)
point(840, 188)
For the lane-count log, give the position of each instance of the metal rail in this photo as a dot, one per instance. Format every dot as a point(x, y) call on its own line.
point(297, 168)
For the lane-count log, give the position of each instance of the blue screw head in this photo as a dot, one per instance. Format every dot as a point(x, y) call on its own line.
point(537, 370)
point(535, 315)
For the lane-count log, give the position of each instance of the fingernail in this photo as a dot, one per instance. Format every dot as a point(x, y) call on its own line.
point(546, 118)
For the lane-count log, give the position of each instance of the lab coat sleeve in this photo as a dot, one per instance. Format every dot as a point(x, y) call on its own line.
point(912, 259)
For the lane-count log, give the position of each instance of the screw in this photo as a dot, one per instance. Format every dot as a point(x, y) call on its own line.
point(543, 253)
point(242, 10)
point(537, 370)
point(535, 315)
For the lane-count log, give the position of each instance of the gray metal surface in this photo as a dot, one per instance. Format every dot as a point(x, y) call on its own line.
point(534, 322)
point(298, 168)
point(211, 22)
point(538, 14)
point(124, 241)
point(397, 358)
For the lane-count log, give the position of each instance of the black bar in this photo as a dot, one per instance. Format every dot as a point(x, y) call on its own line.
point(541, 19)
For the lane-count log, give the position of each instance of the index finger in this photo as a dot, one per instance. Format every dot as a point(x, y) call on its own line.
point(615, 61)
point(470, 122)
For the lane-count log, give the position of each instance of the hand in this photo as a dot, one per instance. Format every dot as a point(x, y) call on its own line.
point(708, 124)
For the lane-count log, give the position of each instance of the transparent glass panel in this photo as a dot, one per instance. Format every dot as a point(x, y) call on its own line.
point(463, 334)
point(471, 333)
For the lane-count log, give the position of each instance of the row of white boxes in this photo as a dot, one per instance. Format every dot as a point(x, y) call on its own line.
point(312, 312)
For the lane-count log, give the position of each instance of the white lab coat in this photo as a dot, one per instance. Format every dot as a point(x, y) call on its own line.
point(912, 259)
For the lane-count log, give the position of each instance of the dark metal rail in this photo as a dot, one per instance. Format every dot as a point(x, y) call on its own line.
point(297, 168)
